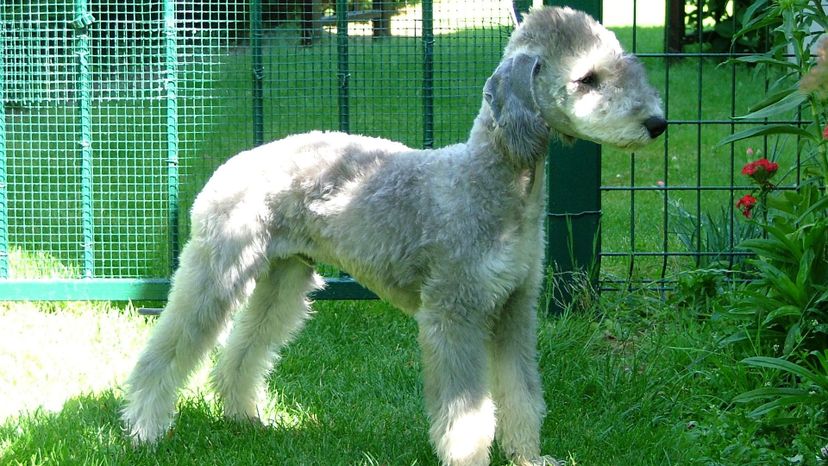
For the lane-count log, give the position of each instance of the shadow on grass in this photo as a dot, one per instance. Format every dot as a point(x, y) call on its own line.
point(346, 392)
point(87, 430)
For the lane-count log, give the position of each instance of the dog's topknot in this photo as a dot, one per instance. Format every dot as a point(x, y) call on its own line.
point(557, 31)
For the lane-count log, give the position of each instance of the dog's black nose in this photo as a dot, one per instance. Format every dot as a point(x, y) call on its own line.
point(655, 126)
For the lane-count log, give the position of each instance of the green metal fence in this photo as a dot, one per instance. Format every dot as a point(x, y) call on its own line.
point(115, 113)
point(670, 208)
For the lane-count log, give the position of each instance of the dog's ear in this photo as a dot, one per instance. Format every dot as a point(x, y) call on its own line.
point(511, 85)
point(510, 93)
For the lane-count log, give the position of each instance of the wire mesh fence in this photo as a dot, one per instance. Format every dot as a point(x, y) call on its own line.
point(116, 112)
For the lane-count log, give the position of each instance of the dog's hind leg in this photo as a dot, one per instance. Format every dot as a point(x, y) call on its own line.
point(203, 293)
point(276, 311)
point(517, 387)
point(454, 370)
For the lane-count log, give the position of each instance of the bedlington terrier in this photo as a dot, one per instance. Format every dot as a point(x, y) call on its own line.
point(453, 237)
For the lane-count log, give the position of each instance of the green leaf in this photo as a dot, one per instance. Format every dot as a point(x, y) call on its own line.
point(822, 297)
point(787, 366)
point(822, 203)
point(804, 272)
point(784, 311)
point(760, 300)
point(792, 339)
point(816, 238)
point(792, 247)
point(747, 16)
point(767, 392)
point(780, 280)
point(767, 249)
point(738, 337)
point(773, 98)
point(785, 421)
point(822, 358)
point(782, 402)
point(767, 60)
point(766, 130)
point(786, 104)
point(760, 21)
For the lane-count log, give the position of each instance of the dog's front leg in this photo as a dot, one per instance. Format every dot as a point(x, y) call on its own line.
point(517, 389)
point(459, 405)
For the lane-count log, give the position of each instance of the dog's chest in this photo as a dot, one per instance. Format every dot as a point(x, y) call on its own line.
point(520, 247)
point(514, 256)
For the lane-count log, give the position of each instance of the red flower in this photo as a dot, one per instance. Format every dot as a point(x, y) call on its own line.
point(761, 170)
point(746, 204)
point(825, 132)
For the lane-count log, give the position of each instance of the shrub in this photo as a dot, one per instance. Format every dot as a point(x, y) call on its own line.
point(784, 310)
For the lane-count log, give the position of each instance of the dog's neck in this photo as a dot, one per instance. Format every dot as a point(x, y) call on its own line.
point(523, 170)
point(521, 149)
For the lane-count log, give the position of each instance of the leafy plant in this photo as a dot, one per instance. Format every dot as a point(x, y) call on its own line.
point(809, 393)
point(788, 302)
point(789, 299)
point(784, 310)
point(801, 85)
point(711, 234)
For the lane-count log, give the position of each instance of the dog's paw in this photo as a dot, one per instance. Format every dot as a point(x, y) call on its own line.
point(144, 438)
point(144, 432)
point(540, 461)
point(547, 461)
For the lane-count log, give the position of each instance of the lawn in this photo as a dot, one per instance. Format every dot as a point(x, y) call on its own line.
point(630, 377)
point(634, 380)
point(637, 383)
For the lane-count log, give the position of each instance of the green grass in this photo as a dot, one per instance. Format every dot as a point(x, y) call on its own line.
point(638, 383)
point(347, 358)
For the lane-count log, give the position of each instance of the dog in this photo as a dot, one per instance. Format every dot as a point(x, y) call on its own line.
point(453, 236)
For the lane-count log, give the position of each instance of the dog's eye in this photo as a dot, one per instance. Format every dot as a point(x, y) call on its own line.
point(590, 79)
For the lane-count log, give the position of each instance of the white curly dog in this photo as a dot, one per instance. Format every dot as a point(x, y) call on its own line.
point(453, 237)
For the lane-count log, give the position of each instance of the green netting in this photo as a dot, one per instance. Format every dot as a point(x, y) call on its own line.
point(116, 112)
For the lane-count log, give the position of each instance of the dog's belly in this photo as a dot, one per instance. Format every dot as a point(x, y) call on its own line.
point(400, 289)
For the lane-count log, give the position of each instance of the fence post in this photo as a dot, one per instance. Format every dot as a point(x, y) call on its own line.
point(171, 87)
point(342, 65)
point(80, 24)
point(428, 74)
point(573, 216)
point(258, 71)
point(382, 24)
point(4, 200)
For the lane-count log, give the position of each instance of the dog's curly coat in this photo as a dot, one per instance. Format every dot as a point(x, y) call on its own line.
point(452, 236)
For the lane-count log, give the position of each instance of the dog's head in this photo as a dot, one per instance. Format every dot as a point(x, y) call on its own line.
point(564, 70)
